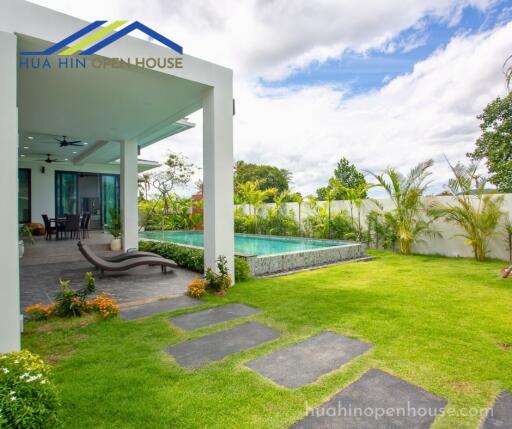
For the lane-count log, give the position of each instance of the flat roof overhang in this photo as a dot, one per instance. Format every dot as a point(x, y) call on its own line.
point(102, 106)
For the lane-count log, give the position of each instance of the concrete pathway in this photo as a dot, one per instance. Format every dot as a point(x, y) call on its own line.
point(160, 306)
point(199, 351)
point(501, 413)
point(303, 363)
point(212, 316)
point(46, 262)
point(376, 400)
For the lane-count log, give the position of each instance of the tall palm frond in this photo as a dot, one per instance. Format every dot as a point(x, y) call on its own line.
point(475, 212)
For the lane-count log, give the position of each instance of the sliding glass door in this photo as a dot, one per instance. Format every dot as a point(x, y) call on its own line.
point(87, 193)
point(66, 193)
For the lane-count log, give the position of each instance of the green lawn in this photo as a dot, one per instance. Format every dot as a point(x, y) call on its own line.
point(443, 324)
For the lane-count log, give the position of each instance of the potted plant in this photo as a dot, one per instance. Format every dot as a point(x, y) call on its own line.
point(24, 233)
point(115, 229)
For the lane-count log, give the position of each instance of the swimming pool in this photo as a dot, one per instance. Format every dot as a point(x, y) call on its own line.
point(246, 244)
point(271, 254)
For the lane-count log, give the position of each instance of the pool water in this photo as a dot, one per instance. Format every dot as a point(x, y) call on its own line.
point(244, 243)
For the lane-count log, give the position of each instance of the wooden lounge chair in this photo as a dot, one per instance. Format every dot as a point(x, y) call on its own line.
point(104, 265)
point(130, 255)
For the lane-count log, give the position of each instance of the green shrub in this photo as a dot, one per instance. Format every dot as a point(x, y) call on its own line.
point(28, 399)
point(191, 259)
point(242, 269)
point(221, 280)
point(69, 302)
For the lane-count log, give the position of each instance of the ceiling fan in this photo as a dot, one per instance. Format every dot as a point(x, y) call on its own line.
point(64, 142)
point(49, 159)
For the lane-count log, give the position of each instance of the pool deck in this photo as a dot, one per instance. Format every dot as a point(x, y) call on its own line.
point(45, 262)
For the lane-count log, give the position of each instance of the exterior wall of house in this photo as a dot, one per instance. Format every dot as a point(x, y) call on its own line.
point(450, 243)
point(43, 184)
point(9, 263)
point(22, 17)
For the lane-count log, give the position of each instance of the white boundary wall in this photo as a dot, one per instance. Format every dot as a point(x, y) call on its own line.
point(449, 245)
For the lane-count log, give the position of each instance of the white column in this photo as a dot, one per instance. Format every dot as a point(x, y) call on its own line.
point(129, 197)
point(9, 265)
point(218, 174)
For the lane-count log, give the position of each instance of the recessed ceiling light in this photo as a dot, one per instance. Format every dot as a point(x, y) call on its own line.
point(85, 143)
point(30, 138)
point(65, 159)
point(25, 147)
point(22, 156)
point(74, 152)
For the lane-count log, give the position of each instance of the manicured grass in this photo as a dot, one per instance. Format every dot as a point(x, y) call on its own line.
point(443, 324)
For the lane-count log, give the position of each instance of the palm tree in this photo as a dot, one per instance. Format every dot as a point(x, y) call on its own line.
point(355, 197)
point(405, 193)
point(254, 197)
point(330, 195)
point(476, 212)
point(299, 200)
point(507, 229)
point(145, 184)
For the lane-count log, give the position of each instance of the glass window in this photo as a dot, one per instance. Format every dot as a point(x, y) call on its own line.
point(66, 193)
point(110, 196)
point(24, 197)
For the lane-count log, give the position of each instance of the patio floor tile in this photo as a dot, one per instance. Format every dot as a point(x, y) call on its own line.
point(213, 347)
point(212, 316)
point(303, 363)
point(156, 307)
point(501, 415)
point(377, 399)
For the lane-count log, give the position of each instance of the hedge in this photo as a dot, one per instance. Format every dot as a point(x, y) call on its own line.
point(191, 259)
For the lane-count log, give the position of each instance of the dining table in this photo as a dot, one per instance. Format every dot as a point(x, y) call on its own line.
point(60, 224)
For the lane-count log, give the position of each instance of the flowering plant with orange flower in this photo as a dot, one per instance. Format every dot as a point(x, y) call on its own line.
point(39, 311)
point(197, 287)
point(105, 304)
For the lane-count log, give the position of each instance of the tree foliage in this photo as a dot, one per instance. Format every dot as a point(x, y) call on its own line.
point(476, 212)
point(408, 218)
point(495, 143)
point(345, 174)
point(266, 177)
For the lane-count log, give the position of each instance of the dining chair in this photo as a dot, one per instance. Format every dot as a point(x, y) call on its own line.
point(72, 226)
point(86, 220)
point(48, 228)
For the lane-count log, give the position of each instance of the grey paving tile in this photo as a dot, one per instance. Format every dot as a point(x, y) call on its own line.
point(156, 307)
point(376, 400)
point(213, 347)
point(303, 363)
point(46, 262)
point(500, 415)
point(212, 316)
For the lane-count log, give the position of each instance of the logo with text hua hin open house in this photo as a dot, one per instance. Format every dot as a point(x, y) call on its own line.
point(78, 50)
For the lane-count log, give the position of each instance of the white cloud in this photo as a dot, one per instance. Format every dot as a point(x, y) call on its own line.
point(426, 113)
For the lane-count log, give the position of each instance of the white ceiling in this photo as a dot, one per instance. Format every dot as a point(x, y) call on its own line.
point(98, 106)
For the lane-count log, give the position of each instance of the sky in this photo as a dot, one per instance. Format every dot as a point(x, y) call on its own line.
point(378, 83)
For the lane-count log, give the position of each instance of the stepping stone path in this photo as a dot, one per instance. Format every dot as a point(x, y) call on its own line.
point(212, 316)
point(303, 363)
point(155, 307)
point(198, 351)
point(376, 400)
point(501, 414)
